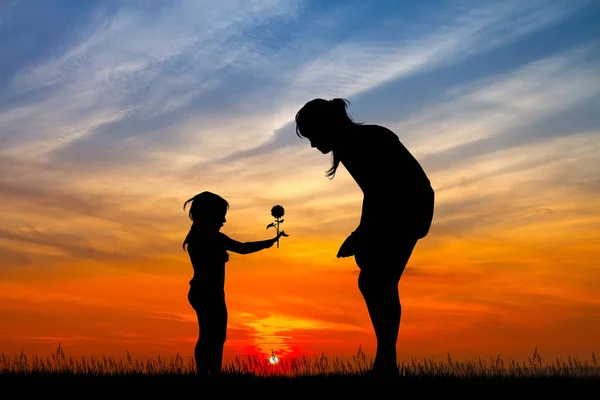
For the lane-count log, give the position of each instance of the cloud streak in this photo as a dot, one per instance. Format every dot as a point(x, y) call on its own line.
point(357, 66)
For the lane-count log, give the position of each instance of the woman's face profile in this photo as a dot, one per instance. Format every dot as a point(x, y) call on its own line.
point(320, 143)
point(320, 137)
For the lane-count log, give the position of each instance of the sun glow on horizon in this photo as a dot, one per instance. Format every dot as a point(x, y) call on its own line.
point(273, 359)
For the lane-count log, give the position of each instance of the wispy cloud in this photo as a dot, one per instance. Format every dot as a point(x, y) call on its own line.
point(130, 65)
point(139, 87)
point(401, 50)
point(498, 105)
point(356, 66)
point(477, 194)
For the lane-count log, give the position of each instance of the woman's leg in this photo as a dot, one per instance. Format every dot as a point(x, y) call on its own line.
point(383, 304)
point(381, 269)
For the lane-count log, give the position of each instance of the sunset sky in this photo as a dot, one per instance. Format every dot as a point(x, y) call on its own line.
point(113, 113)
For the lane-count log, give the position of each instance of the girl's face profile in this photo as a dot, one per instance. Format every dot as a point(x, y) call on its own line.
point(214, 220)
point(219, 219)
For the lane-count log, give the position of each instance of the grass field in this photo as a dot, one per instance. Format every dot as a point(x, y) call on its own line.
point(493, 374)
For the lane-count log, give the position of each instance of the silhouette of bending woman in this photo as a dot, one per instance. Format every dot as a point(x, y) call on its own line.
point(397, 210)
point(207, 249)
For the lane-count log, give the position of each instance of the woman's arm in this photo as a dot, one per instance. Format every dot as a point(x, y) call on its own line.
point(251, 247)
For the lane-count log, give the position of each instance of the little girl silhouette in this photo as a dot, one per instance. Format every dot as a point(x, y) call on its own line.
point(207, 248)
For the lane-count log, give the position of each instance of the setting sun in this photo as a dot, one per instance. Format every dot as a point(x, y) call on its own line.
point(273, 359)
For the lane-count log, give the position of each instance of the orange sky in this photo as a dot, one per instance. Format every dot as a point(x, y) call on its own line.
point(507, 286)
point(111, 116)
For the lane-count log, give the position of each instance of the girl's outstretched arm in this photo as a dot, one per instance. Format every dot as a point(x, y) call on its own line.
point(252, 247)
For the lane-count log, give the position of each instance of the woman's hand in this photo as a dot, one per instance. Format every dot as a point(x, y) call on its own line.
point(348, 248)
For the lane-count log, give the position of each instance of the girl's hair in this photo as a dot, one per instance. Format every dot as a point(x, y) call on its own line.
point(204, 204)
point(324, 115)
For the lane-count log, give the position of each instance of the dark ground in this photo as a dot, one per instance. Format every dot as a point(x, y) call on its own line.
point(48, 384)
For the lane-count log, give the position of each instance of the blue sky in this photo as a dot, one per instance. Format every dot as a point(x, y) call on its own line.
point(106, 103)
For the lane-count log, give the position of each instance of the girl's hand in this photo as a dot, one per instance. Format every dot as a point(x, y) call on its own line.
point(274, 240)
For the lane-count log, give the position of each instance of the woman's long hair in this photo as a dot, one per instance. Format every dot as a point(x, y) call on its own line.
point(204, 206)
point(324, 115)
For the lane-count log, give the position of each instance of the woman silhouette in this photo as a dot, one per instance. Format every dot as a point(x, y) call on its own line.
point(397, 210)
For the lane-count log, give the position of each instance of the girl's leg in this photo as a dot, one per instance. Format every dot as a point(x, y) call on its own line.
point(202, 345)
point(201, 351)
point(216, 359)
point(217, 337)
